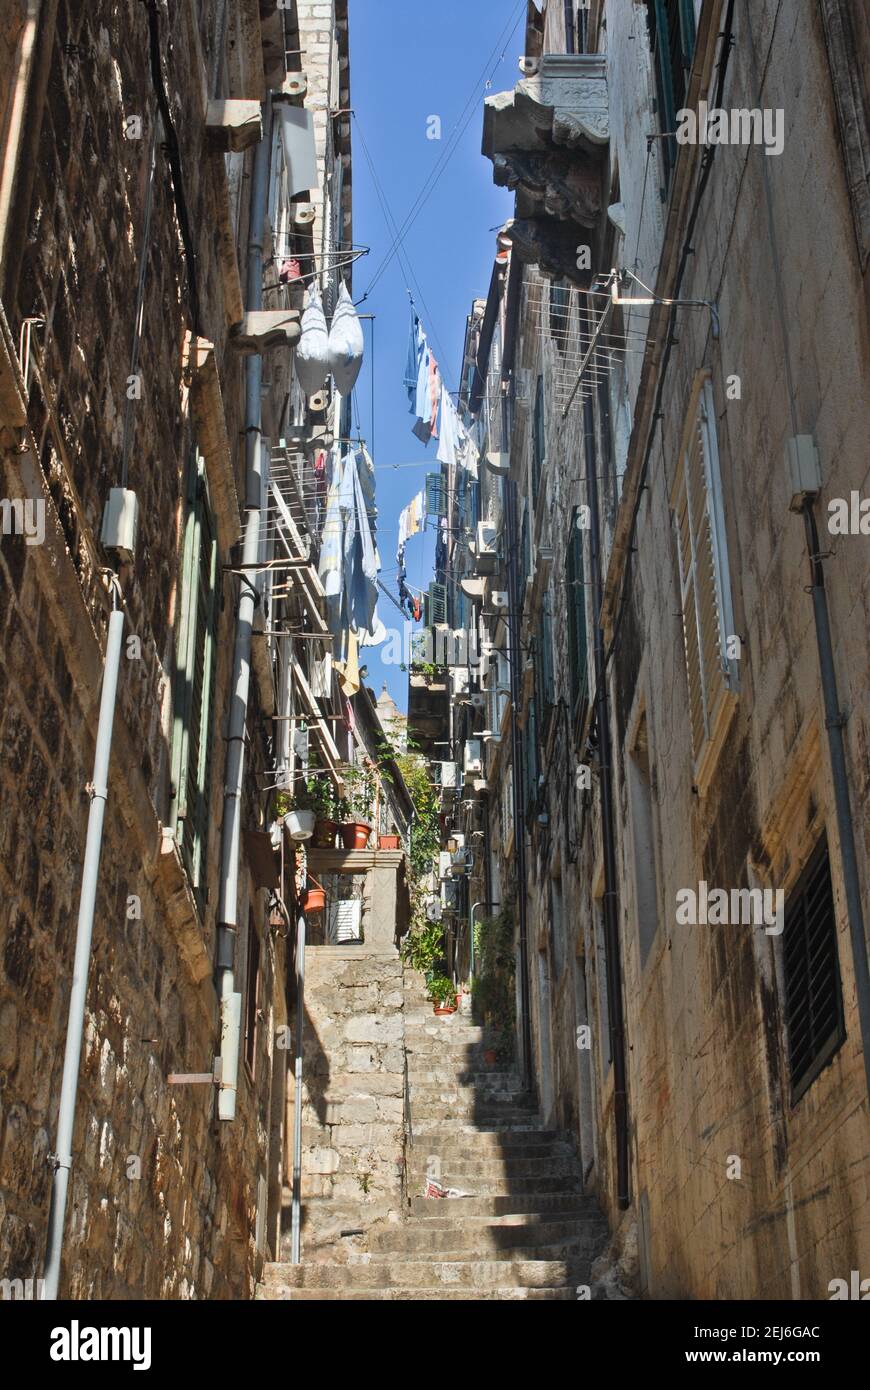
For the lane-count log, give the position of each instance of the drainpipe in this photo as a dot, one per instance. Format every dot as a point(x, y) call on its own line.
point(26, 47)
point(611, 923)
point(834, 723)
point(517, 757)
point(66, 1116)
point(296, 1210)
point(227, 910)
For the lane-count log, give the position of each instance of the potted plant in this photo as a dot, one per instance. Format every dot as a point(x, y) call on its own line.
point(314, 897)
point(388, 842)
point(356, 828)
point(306, 811)
point(442, 991)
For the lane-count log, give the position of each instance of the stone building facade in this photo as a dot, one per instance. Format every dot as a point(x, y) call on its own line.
point(130, 135)
point(665, 564)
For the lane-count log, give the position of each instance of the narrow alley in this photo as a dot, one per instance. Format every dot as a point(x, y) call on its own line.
point(434, 664)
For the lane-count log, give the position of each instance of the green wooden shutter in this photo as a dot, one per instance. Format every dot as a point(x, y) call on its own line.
point(194, 681)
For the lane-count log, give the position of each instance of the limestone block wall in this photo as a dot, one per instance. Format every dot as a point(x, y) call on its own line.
point(353, 1072)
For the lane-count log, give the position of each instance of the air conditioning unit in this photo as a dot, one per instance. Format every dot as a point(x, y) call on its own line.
point(445, 860)
point(499, 599)
point(459, 681)
point(486, 549)
point(473, 762)
point(448, 775)
point(450, 896)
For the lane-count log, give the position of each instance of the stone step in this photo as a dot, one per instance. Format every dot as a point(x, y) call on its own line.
point(478, 1078)
point(553, 1240)
point(436, 1090)
point(445, 1294)
point(565, 1203)
point(361, 1273)
point(484, 1169)
point(452, 1147)
point(429, 1112)
point(496, 1186)
point(455, 1124)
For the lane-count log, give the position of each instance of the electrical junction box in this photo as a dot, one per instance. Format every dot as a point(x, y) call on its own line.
point(804, 470)
point(120, 523)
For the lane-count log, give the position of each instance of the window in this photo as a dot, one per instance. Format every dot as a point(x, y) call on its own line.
point(557, 926)
point(252, 996)
point(672, 38)
point(705, 587)
point(640, 792)
point(545, 647)
point(194, 681)
point(577, 650)
point(815, 1028)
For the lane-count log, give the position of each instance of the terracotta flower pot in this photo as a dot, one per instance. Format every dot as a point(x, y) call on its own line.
point(388, 842)
point(314, 900)
point(489, 1057)
point(445, 1009)
point(355, 835)
point(324, 835)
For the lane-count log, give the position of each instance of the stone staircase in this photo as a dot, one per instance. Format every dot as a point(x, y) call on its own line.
point(526, 1231)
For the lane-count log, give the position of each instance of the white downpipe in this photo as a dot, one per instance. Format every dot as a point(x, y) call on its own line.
point(26, 46)
point(228, 900)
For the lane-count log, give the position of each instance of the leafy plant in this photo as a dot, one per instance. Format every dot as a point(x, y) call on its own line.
point(442, 990)
point(423, 947)
point(358, 801)
point(494, 983)
point(315, 795)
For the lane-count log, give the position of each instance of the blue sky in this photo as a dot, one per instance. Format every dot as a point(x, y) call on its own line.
point(410, 62)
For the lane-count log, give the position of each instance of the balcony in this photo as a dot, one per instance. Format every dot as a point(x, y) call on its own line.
point(548, 140)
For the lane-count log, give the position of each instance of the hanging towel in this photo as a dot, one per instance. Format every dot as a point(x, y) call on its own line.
point(331, 567)
point(410, 522)
point(423, 402)
point(451, 431)
point(346, 344)
point(434, 394)
point(416, 345)
point(363, 570)
point(312, 350)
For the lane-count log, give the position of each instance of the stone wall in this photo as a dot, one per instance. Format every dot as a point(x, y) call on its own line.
point(353, 1071)
point(164, 1200)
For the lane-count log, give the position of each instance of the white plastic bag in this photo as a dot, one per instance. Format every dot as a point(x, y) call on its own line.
point(346, 343)
point(312, 350)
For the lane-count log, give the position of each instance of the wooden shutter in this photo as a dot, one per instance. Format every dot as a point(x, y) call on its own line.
point(704, 584)
point(194, 684)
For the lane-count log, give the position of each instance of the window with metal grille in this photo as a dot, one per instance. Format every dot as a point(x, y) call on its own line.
point(705, 586)
point(815, 1028)
point(672, 39)
point(193, 705)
